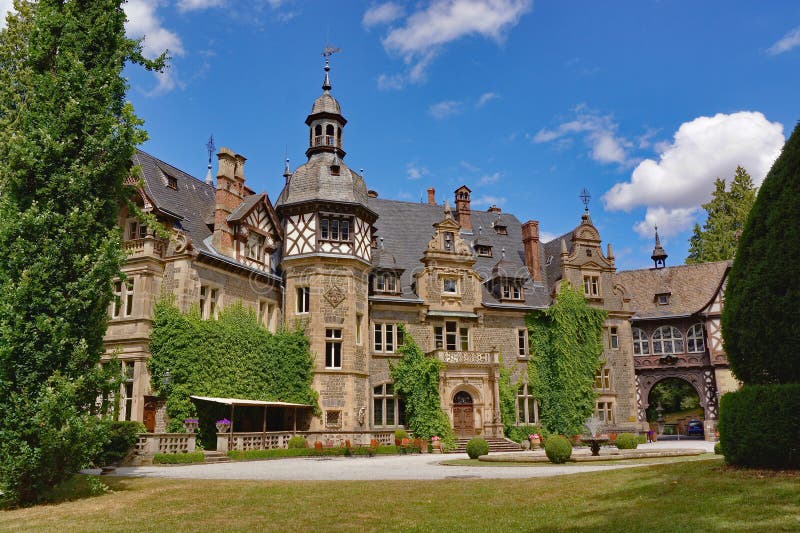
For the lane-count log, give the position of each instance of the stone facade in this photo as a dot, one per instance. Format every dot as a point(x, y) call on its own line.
point(349, 268)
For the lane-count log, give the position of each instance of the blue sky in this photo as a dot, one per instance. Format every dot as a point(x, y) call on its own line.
point(526, 102)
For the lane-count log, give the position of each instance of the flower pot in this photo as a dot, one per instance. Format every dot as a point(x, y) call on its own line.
point(190, 426)
point(223, 428)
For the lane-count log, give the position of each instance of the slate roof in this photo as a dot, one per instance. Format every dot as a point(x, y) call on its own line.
point(326, 103)
point(691, 288)
point(406, 228)
point(247, 204)
point(314, 181)
point(551, 251)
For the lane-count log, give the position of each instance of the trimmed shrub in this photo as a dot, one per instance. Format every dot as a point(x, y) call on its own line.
point(297, 442)
point(178, 458)
point(627, 441)
point(477, 447)
point(558, 449)
point(759, 426)
point(120, 441)
point(718, 448)
point(399, 435)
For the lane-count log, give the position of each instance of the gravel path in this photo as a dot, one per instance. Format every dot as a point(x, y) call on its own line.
point(386, 467)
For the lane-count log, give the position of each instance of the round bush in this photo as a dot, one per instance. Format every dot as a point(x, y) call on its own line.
point(718, 448)
point(477, 447)
point(759, 426)
point(627, 441)
point(297, 442)
point(400, 434)
point(558, 449)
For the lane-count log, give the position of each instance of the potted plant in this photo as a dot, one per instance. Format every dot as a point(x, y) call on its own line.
point(536, 441)
point(190, 425)
point(223, 426)
point(436, 443)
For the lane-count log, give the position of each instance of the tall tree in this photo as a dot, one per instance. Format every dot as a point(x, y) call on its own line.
point(761, 318)
point(726, 215)
point(67, 137)
point(566, 343)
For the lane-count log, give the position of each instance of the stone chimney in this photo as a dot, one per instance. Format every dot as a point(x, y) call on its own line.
point(494, 209)
point(431, 196)
point(530, 241)
point(463, 211)
point(229, 194)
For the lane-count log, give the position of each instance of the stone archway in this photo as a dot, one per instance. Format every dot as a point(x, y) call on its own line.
point(702, 380)
point(463, 414)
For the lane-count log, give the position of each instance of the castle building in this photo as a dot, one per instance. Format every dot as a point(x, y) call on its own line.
point(350, 267)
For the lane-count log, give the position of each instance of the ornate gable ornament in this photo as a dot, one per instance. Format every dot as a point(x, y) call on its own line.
point(447, 241)
point(586, 250)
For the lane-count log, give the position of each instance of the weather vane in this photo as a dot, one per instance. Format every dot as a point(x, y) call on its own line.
point(329, 51)
point(585, 197)
point(210, 147)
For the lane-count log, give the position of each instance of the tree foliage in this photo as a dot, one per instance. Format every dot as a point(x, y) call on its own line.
point(566, 342)
point(726, 216)
point(66, 142)
point(416, 378)
point(508, 400)
point(761, 317)
point(234, 356)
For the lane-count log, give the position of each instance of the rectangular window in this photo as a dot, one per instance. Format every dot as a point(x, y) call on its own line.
point(591, 285)
point(333, 348)
point(386, 282)
point(358, 328)
point(333, 419)
point(605, 412)
point(303, 299)
point(438, 338)
point(127, 389)
point(463, 334)
point(334, 228)
point(128, 297)
point(122, 303)
point(386, 338)
point(450, 285)
point(522, 342)
point(213, 296)
point(527, 406)
point(209, 301)
point(613, 338)
point(511, 291)
point(117, 299)
point(450, 341)
point(602, 379)
point(203, 299)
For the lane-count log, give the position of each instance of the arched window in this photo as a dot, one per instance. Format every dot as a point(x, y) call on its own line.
point(641, 344)
point(329, 130)
point(695, 342)
point(318, 129)
point(667, 340)
point(387, 408)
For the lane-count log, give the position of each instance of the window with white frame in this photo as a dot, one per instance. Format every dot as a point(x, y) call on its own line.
point(303, 299)
point(135, 230)
point(527, 406)
point(386, 337)
point(386, 282)
point(127, 389)
point(451, 337)
point(255, 247)
point(388, 409)
point(450, 285)
point(641, 344)
point(122, 303)
point(511, 290)
point(334, 228)
point(333, 348)
point(695, 340)
point(613, 338)
point(209, 301)
point(667, 340)
point(266, 314)
point(522, 342)
point(602, 379)
point(604, 411)
point(591, 286)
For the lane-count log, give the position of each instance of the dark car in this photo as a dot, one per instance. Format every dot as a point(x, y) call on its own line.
point(695, 428)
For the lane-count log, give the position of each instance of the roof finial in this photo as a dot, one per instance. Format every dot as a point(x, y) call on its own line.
point(448, 213)
point(210, 147)
point(659, 256)
point(585, 197)
point(503, 252)
point(327, 53)
point(287, 172)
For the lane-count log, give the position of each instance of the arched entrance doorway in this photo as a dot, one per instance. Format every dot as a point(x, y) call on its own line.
point(674, 408)
point(463, 416)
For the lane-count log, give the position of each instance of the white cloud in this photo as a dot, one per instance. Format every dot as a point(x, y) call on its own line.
point(382, 14)
point(669, 221)
point(546, 236)
point(787, 42)
point(424, 32)
point(490, 179)
point(702, 150)
point(485, 98)
point(445, 109)
point(196, 5)
point(144, 23)
point(415, 171)
point(599, 133)
point(391, 82)
point(488, 200)
point(5, 7)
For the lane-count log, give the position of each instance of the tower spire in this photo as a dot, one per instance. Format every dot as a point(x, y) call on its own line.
point(210, 147)
point(659, 256)
point(327, 53)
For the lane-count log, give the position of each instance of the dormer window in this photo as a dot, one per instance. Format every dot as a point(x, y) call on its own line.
point(450, 286)
point(591, 286)
point(500, 228)
point(511, 290)
point(448, 241)
point(662, 298)
point(334, 228)
point(386, 282)
point(172, 182)
point(335, 170)
point(483, 251)
point(255, 247)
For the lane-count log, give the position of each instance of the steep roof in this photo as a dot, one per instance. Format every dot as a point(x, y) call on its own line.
point(406, 228)
point(690, 288)
point(315, 181)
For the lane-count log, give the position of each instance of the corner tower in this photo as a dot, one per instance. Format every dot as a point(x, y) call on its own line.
point(326, 262)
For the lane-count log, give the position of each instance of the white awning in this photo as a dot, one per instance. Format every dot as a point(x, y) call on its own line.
point(246, 403)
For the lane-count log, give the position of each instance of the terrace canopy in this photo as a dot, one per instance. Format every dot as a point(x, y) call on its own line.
point(240, 402)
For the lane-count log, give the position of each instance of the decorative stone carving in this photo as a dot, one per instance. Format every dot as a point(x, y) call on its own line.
point(335, 295)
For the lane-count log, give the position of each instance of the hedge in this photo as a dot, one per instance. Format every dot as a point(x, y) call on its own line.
point(759, 426)
point(120, 441)
point(178, 458)
point(627, 441)
point(281, 453)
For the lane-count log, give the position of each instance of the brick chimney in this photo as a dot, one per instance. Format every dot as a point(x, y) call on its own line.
point(494, 209)
point(431, 196)
point(530, 240)
point(229, 194)
point(463, 211)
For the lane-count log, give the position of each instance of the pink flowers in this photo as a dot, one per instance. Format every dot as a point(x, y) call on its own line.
point(435, 439)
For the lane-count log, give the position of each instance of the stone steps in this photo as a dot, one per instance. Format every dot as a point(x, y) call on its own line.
point(212, 456)
point(496, 445)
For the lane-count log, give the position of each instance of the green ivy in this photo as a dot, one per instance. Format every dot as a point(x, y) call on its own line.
point(508, 401)
point(416, 378)
point(233, 356)
point(566, 342)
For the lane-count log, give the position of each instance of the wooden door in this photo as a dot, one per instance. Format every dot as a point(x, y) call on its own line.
point(149, 418)
point(463, 422)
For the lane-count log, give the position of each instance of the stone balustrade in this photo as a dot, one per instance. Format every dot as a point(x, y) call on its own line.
point(467, 358)
point(280, 439)
point(149, 444)
point(147, 246)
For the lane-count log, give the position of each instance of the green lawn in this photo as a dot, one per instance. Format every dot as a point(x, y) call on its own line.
point(686, 496)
